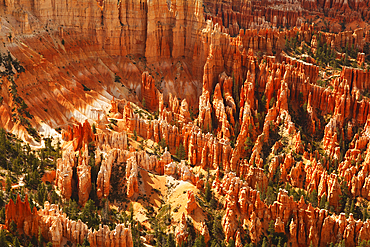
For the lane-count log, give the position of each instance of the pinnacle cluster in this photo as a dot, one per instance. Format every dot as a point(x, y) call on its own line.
point(184, 123)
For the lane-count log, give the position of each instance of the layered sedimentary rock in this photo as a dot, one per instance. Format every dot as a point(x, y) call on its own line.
point(120, 236)
point(181, 232)
point(104, 174)
point(125, 38)
point(64, 173)
point(86, 32)
point(181, 171)
point(164, 55)
point(21, 213)
point(132, 176)
point(312, 224)
point(191, 205)
point(67, 166)
point(220, 114)
point(110, 146)
point(149, 92)
point(54, 226)
point(84, 179)
point(81, 135)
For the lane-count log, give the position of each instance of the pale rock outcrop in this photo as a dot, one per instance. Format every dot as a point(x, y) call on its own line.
point(191, 204)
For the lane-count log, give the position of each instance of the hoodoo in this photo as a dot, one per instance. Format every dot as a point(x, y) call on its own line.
point(197, 123)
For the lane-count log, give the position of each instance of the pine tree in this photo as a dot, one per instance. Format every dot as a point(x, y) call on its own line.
point(72, 210)
point(170, 241)
point(162, 143)
point(365, 214)
point(199, 241)
point(279, 243)
point(8, 184)
point(347, 207)
point(352, 208)
point(217, 230)
point(85, 243)
point(231, 243)
point(346, 61)
point(270, 195)
point(135, 135)
point(54, 197)
point(248, 143)
point(94, 128)
point(271, 231)
point(313, 198)
point(2, 238)
point(180, 152)
point(208, 192)
point(13, 227)
point(40, 238)
point(264, 242)
point(89, 215)
point(2, 202)
point(2, 215)
point(42, 194)
point(287, 44)
point(323, 201)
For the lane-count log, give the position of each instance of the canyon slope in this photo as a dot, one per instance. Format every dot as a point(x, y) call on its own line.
point(200, 123)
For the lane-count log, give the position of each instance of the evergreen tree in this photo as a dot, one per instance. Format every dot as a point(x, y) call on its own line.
point(270, 195)
point(94, 128)
point(287, 44)
point(89, 215)
point(231, 243)
point(8, 184)
point(347, 207)
point(313, 198)
point(135, 135)
point(170, 241)
point(2, 238)
point(2, 202)
point(143, 103)
point(248, 143)
point(323, 201)
point(85, 243)
point(2, 215)
point(208, 192)
point(16, 242)
point(72, 210)
point(365, 215)
point(279, 243)
point(117, 78)
point(199, 241)
point(180, 152)
point(264, 242)
point(162, 143)
point(352, 208)
point(271, 231)
point(346, 60)
point(42, 194)
point(361, 243)
point(217, 230)
point(13, 227)
point(40, 238)
point(54, 198)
